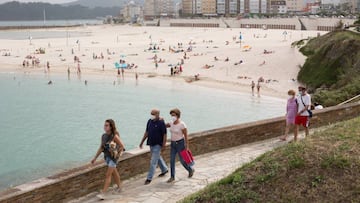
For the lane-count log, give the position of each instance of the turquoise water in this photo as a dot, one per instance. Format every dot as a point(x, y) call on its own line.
point(47, 128)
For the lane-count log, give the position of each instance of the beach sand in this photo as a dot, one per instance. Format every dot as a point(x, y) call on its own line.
point(131, 43)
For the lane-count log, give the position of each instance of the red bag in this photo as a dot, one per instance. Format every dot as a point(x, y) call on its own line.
point(187, 156)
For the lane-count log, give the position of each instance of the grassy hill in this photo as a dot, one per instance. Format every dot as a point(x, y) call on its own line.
point(332, 69)
point(325, 167)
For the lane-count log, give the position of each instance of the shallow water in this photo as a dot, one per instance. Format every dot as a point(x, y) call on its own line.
point(47, 128)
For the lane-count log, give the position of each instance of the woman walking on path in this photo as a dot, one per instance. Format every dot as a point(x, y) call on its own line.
point(109, 138)
point(291, 111)
point(179, 142)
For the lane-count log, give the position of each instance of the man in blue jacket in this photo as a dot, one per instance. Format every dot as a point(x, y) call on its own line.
point(156, 138)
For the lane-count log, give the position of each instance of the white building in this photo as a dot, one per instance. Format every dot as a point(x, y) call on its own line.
point(220, 7)
point(278, 6)
point(233, 7)
point(157, 8)
point(131, 12)
point(295, 5)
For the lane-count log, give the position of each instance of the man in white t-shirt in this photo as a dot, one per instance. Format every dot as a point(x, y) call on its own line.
point(302, 118)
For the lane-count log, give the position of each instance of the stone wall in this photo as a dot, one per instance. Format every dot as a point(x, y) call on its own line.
point(86, 179)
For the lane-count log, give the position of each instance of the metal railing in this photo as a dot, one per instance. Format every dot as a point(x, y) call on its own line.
point(349, 100)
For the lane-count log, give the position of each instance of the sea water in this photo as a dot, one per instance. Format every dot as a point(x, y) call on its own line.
point(45, 129)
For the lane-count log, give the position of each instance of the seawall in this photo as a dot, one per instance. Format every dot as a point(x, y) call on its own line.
point(295, 23)
point(80, 181)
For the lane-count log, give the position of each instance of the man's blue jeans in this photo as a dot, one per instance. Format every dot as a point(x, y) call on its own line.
point(156, 159)
point(176, 148)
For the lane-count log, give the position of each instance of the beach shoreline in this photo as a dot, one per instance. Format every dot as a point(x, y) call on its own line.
point(91, 75)
point(228, 65)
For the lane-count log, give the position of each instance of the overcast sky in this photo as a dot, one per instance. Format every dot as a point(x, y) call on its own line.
point(50, 1)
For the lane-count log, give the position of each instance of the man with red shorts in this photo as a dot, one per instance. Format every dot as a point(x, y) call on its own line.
point(302, 118)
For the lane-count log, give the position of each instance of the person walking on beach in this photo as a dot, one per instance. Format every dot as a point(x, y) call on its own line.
point(78, 69)
point(258, 86)
point(302, 117)
point(171, 71)
point(291, 111)
point(155, 134)
point(252, 87)
point(108, 139)
point(179, 142)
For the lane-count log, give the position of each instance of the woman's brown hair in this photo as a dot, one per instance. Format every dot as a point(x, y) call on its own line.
point(176, 111)
point(291, 92)
point(112, 125)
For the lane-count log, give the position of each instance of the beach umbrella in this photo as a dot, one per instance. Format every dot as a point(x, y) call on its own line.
point(122, 55)
point(117, 65)
point(240, 37)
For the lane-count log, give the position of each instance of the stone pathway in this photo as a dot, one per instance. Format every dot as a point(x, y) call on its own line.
point(209, 168)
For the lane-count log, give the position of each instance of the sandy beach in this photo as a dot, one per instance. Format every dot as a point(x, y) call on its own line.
point(107, 44)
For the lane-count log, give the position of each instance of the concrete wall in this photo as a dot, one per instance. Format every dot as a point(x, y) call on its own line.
point(321, 24)
point(203, 23)
point(271, 23)
point(86, 179)
point(324, 24)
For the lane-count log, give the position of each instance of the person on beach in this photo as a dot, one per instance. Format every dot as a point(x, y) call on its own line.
point(179, 142)
point(302, 117)
point(122, 72)
point(155, 134)
point(258, 86)
point(78, 69)
point(110, 135)
point(291, 111)
point(252, 87)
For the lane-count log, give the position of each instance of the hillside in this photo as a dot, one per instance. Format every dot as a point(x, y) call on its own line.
point(103, 3)
point(332, 69)
point(325, 167)
point(34, 11)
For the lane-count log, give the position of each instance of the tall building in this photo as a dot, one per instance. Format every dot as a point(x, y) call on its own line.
point(208, 7)
point(227, 7)
point(295, 5)
point(156, 8)
point(187, 7)
point(253, 6)
point(278, 6)
point(131, 12)
point(197, 7)
point(350, 5)
point(220, 7)
point(192, 7)
point(232, 7)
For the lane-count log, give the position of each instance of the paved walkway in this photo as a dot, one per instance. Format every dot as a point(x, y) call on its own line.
point(208, 168)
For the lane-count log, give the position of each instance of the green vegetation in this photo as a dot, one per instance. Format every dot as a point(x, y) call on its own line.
point(332, 69)
point(325, 167)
